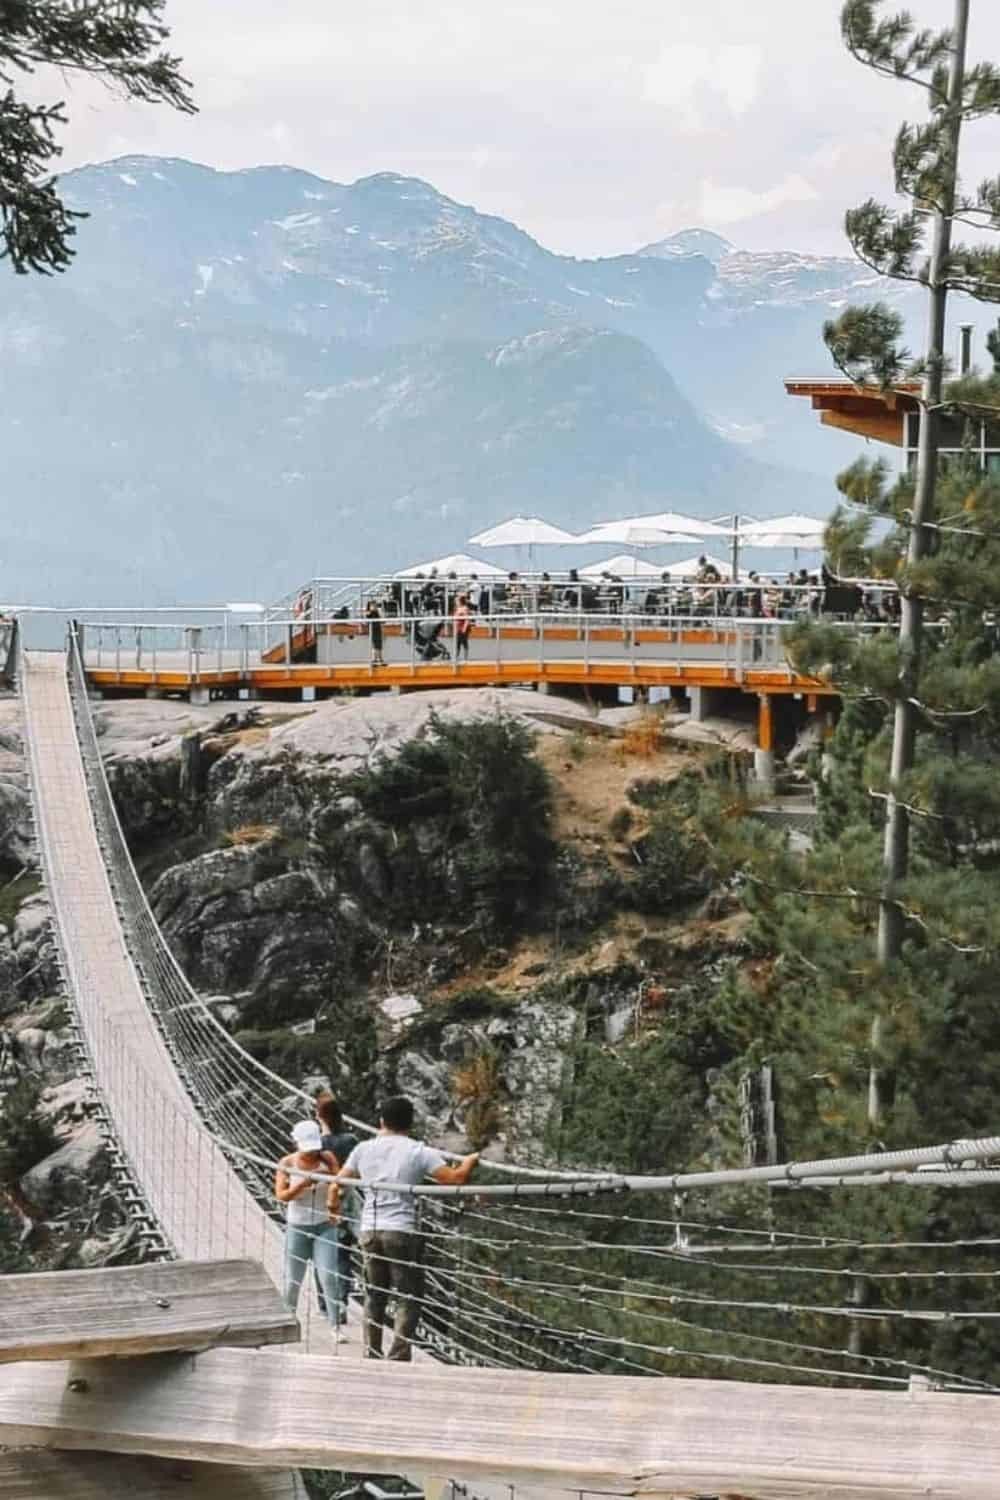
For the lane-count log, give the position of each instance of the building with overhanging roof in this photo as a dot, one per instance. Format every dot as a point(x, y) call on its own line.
point(893, 417)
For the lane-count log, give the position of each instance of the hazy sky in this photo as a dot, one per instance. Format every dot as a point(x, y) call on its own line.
point(597, 127)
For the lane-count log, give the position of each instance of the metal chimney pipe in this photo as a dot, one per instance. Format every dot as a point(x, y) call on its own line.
point(965, 348)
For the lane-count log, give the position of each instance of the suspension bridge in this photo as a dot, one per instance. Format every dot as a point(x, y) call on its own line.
point(559, 1294)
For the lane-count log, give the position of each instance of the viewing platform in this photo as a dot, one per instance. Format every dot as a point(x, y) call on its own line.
point(718, 648)
point(537, 631)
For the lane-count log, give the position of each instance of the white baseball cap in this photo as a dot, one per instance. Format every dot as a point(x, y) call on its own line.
point(306, 1135)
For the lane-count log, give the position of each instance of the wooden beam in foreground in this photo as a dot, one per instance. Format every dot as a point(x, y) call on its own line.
point(617, 1435)
point(34, 1475)
point(134, 1310)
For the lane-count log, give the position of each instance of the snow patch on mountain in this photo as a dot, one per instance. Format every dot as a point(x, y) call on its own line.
point(771, 278)
point(690, 242)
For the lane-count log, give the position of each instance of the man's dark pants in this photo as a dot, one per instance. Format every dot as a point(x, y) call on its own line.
point(393, 1268)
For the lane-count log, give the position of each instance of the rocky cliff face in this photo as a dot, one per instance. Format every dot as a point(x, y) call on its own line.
point(333, 932)
point(280, 894)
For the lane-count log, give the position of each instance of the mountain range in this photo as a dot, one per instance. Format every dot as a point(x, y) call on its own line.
point(249, 377)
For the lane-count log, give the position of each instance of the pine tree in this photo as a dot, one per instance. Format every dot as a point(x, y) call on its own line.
point(118, 41)
point(865, 344)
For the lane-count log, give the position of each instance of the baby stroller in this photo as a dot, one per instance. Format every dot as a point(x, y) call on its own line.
point(427, 642)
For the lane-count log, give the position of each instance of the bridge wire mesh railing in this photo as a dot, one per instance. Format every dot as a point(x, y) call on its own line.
point(495, 1293)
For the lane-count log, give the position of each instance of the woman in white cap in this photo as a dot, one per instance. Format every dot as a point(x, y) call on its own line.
point(311, 1232)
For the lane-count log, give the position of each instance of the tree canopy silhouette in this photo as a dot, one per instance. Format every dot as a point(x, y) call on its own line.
point(118, 41)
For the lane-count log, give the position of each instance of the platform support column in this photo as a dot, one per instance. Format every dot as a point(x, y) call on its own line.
point(199, 694)
point(763, 756)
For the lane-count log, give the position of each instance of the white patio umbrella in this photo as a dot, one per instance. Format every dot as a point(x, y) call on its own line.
point(624, 565)
point(793, 531)
point(458, 562)
point(523, 531)
point(672, 520)
point(784, 531)
point(635, 532)
point(801, 533)
point(690, 565)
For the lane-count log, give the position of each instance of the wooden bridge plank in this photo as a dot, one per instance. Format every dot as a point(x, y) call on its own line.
point(134, 1310)
point(32, 1474)
point(617, 1435)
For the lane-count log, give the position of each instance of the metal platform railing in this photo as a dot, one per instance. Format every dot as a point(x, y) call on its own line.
point(547, 639)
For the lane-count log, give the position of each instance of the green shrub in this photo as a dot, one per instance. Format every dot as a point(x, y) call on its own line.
point(620, 822)
point(634, 1109)
point(469, 811)
point(577, 745)
point(674, 869)
point(586, 891)
point(13, 1255)
point(343, 1050)
point(648, 792)
point(15, 893)
point(26, 1137)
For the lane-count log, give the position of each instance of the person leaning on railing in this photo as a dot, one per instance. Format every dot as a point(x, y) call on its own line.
point(391, 1246)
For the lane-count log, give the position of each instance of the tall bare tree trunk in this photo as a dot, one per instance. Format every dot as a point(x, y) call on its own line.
point(897, 825)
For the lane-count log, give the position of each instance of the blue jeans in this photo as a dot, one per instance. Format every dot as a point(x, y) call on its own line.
point(319, 1244)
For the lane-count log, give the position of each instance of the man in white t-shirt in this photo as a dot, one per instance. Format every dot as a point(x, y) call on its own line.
point(393, 1250)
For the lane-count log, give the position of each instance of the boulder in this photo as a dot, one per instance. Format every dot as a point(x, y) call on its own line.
point(186, 889)
point(29, 1044)
point(371, 868)
point(31, 925)
point(224, 1010)
point(69, 1175)
point(428, 1083)
point(68, 1103)
point(59, 1056)
point(282, 892)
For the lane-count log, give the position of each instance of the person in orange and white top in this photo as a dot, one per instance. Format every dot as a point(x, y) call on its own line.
point(463, 627)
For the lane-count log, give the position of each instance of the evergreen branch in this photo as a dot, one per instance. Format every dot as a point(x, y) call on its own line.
point(155, 82)
point(951, 713)
point(976, 270)
point(921, 166)
point(885, 241)
point(981, 91)
point(893, 47)
point(118, 41)
point(872, 898)
point(864, 344)
point(917, 812)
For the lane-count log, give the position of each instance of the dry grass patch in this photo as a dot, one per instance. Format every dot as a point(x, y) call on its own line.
point(644, 738)
point(476, 1085)
point(250, 834)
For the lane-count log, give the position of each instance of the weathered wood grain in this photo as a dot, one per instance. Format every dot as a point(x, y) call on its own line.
point(31, 1474)
point(134, 1310)
point(617, 1435)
